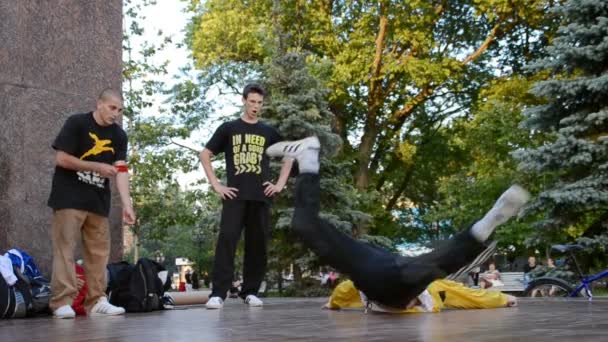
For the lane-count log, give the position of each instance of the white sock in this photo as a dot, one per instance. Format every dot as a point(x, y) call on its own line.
point(483, 228)
point(505, 207)
point(308, 161)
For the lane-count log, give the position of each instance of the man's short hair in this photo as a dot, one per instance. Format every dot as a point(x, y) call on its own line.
point(253, 88)
point(109, 93)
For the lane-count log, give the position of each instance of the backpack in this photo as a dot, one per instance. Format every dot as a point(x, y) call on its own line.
point(41, 295)
point(39, 286)
point(137, 288)
point(16, 300)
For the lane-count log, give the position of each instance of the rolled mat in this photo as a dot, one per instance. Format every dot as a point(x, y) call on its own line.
point(189, 298)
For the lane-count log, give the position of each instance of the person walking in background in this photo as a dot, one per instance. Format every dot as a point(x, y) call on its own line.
point(195, 281)
point(529, 267)
point(188, 277)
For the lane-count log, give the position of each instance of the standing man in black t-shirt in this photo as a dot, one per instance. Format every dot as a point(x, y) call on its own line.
point(246, 197)
point(90, 149)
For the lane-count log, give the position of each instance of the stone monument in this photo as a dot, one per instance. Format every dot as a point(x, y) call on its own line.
point(55, 57)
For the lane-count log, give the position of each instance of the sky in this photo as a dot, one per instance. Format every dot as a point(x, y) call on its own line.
point(170, 17)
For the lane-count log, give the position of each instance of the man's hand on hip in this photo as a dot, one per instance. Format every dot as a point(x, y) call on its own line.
point(225, 192)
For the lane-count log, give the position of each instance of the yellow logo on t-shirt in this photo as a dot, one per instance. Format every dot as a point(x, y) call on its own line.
point(247, 151)
point(99, 147)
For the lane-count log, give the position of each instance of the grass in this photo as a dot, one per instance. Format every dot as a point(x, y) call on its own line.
point(600, 292)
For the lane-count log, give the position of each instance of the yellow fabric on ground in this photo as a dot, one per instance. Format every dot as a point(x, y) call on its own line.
point(345, 295)
point(456, 296)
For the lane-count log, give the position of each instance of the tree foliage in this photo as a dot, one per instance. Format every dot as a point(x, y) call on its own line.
point(398, 74)
point(421, 101)
point(164, 210)
point(574, 114)
point(386, 59)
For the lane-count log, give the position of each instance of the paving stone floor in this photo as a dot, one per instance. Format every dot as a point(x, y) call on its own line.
point(300, 319)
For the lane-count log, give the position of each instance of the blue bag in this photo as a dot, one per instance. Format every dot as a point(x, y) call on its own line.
point(25, 263)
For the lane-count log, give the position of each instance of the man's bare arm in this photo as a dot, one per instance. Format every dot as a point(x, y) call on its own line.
point(122, 184)
point(223, 191)
point(68, 161)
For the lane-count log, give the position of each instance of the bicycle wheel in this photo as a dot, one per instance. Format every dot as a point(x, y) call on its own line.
point(547, 287)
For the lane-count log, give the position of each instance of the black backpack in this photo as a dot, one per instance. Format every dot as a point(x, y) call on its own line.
point(137, 288)
point(16, 300)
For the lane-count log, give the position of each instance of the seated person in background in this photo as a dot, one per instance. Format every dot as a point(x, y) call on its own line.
point(529, 267)
point(439, 294)
point(491, 277)
point(531, 264)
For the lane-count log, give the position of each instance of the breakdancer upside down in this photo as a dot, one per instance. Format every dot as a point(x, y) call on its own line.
point(388, 280)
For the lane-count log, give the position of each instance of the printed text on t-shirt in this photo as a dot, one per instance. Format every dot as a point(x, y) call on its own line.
point(248, 150)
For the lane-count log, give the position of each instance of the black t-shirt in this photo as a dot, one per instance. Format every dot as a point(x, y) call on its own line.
point(244, 145)
point(528, 268)
point(83, 138)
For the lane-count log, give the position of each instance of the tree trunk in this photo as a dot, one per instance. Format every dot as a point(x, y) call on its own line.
point(364, 155)
point(280, 282)
point(297, 276)
point(406, 180)
point(374, 101)
point(135, 247)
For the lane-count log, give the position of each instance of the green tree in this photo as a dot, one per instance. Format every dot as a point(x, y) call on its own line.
point(154, 158)
point(487, 167)
point(386, 59)
point(574, 114)
point(398, 73)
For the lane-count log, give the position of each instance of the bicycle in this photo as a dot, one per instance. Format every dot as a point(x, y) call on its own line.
point(546, 286)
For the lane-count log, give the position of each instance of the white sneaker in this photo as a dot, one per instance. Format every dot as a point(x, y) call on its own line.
point(65, 311)
point(507, 206)
point(293, 149)
point(104, 308)
point(252, 300)
point(305, 151)
point(215, 303)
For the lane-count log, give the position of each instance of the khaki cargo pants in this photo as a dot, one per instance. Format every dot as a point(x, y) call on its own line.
point(69, 227)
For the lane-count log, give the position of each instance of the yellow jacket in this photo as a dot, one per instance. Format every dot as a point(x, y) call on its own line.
point(445, 294)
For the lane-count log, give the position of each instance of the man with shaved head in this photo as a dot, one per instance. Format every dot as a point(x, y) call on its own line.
point(91, 148)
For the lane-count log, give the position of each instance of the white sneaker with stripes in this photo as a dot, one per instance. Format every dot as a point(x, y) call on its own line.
point(252, 300)
point(305, 151)
point(293, 149)
point(214, 303)
point(104, 308)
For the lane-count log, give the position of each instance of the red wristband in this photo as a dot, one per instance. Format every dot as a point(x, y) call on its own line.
point(122, 168)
